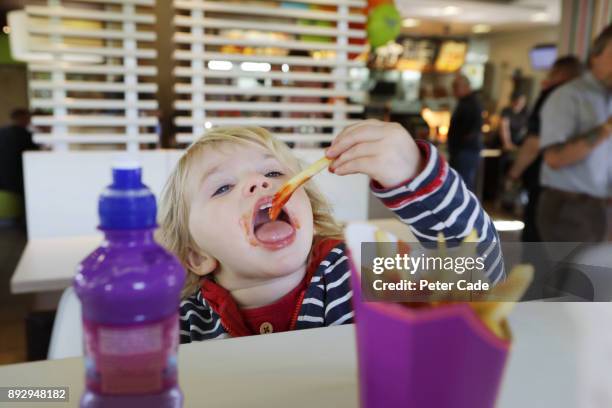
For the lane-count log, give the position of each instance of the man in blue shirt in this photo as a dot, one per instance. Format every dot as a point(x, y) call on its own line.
point(529, 158)
point(577, 170)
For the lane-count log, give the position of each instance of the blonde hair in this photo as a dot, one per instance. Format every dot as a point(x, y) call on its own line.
point(174, 209)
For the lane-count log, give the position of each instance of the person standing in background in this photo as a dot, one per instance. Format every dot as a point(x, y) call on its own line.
point(529, 158)
point(14, 140)
point(464, 133)
point(575, 135)
point(514, 121)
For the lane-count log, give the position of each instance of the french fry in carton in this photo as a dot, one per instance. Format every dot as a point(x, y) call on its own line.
point(446, 354)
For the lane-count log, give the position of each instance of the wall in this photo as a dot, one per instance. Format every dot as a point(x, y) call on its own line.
point(5, 50)
point(12, 82)
point(581, 23)
point(509, 51)
point(14, 90)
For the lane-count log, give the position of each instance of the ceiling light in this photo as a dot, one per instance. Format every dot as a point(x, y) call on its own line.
point(481, 28)
point(451, 10)
point(219, 65)
point(255, 66)
point(207, 125)
point(539, 17)
point(285, 68)
point(410, 22)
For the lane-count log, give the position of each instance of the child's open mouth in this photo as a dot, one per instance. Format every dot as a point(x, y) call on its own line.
point(272, 234)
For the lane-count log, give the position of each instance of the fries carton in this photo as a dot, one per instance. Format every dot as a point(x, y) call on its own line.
point(428, 357)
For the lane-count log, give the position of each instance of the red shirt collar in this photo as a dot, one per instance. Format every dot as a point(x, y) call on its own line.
point(281, 315)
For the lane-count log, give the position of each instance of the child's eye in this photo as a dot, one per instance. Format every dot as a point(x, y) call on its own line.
point(222, 190)
point(272, 174)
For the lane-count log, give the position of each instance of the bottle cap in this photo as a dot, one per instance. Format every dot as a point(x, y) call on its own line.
point(127, 203)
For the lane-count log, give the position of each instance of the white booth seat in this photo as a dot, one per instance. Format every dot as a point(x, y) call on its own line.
point(67, 335)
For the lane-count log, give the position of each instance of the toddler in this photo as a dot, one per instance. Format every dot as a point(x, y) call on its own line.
point(250, 275)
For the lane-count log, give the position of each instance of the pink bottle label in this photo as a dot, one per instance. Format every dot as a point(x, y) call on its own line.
point(135, 359)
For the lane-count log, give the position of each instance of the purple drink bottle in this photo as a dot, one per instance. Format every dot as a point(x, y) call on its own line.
point(130, 292)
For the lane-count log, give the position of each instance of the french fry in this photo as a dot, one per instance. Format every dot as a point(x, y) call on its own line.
point(449, 276)
point(383, 244)
point(441, 244)
point(384, 249)
point(496, 305)
point(388, 248)
point(514, 287)
point(284, 193)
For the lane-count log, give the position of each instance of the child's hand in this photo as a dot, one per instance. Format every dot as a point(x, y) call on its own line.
point(384, 151)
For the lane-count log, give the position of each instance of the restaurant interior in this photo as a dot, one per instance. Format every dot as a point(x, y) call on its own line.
point(105, 78)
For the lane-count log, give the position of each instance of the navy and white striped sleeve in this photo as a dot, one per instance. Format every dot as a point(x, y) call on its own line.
point(198, 321)
point(437, 200)
point(338, 293)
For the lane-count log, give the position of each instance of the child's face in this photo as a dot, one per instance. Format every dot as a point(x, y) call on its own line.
point(230, 190)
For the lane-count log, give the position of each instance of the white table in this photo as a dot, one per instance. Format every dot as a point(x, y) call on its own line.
point(317, 368)
point(49, 264)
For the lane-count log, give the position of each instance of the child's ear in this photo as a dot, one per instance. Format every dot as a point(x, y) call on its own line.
point(200, 263)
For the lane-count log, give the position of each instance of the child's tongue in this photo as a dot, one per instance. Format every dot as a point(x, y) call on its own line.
point(273, 231)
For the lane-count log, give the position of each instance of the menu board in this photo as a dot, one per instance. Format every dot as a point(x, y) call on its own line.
point(423, 55)
point(418, 55)
point(451, 56)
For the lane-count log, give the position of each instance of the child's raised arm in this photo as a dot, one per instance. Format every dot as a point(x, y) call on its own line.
point(417, 184)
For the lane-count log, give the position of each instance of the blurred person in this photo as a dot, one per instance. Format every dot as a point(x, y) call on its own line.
point(512, 129)
point(14, 140)
point(464, 133)
point(514, 121)
point(576, 126)
point(529, 158)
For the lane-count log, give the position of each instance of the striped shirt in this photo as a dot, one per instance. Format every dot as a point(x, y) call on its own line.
point(434, 201)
